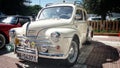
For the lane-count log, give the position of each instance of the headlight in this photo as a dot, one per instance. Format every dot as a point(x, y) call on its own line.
point(55, 36)
point(12, 33)
point(13, 39)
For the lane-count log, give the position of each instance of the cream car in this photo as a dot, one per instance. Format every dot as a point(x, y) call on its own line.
point(58, 33)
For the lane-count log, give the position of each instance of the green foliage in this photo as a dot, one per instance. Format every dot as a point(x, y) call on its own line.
point(101, 7)
point(91, 5)
point(105, 31)
point(13, 7)
point(33, 9)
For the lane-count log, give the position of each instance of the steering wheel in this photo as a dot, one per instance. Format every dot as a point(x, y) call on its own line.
point(64, 16)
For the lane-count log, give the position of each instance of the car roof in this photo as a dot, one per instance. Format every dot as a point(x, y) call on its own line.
point(63, 4)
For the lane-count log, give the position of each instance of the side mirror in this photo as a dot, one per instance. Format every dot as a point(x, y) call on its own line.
point(78, 17)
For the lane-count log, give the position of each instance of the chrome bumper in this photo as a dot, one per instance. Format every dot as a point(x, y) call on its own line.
point(31, 51)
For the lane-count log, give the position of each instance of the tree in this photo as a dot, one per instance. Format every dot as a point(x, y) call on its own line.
point(101, 7)
point(33, 10)
point(12, 7)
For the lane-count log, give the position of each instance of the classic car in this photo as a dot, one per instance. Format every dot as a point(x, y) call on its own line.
point(58, 33)
point(7, 23)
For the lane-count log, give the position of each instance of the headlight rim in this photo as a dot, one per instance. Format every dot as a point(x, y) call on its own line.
point(55, 36)
point(12, 33)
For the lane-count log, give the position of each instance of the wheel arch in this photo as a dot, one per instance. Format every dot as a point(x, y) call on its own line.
point(76, 38)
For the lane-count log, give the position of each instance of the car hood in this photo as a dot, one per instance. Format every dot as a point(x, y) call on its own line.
point(2, 26)
point(37, 26)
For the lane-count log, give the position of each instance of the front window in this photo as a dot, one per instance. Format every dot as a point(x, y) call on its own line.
point(10, 20)
point(62, 12)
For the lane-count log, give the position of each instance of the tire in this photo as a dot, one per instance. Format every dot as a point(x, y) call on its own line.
point(89, 37)
point(2, 41)
point(73, 53)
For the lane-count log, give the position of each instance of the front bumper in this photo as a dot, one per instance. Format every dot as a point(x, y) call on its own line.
point(35, 53)
point(32, 45)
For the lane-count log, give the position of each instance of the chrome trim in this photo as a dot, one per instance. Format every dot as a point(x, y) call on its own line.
point(25, 50)
point(40, 54)
point(51, 55)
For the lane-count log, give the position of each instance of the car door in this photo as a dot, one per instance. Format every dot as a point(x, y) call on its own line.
point(80, 24)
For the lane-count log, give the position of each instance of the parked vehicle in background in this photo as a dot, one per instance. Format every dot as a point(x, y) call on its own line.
point(94, 19)
point(57, 33)
point(115, 18)
point(7, 23)
point(2, 14)
point(1, 18)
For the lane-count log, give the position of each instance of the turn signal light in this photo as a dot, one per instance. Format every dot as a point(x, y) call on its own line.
point(58, 47)
point(17, 42)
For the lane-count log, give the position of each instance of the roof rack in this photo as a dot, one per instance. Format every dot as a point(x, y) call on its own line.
point(49, 4)
point(77, 3)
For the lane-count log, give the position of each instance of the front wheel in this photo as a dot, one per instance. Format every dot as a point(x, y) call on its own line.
point(73, 53)
point(2, 41)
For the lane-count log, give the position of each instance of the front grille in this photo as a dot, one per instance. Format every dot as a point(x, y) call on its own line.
point(32, 41)
point(41, 42)
point(25, 50)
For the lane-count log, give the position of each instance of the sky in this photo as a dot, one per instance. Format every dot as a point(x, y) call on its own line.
point(44, 2)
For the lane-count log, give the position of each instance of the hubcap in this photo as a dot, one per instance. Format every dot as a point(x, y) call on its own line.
point(0, 42)
point(73, 53)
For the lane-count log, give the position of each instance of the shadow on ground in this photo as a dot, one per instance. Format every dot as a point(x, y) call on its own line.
point(43, 63)
point(4, 51)
point(100, 54)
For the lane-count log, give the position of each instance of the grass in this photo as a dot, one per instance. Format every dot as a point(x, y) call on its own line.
point(105, 31)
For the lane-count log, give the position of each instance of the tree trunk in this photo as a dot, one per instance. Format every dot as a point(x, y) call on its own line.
point(103, 16)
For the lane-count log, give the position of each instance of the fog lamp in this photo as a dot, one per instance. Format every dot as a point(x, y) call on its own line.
point(44, 48)
point(17, 41)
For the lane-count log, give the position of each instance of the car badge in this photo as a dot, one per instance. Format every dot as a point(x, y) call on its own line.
point(32, 44)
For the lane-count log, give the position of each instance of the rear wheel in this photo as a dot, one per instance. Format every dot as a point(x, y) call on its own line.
point(89, 37)
point(73, 53)
point(2, 41)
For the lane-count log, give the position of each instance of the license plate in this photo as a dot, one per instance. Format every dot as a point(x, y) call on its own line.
point(28, 56)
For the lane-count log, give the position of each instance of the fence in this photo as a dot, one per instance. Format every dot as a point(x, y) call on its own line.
point(105, 26)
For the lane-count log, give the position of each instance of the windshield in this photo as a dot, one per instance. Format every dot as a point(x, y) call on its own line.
point(10, 20)
point(63, 12)
point(1, 18)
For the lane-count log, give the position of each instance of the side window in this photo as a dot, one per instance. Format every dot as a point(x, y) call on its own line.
point(85, 16)
point(79, 15)
point(23, 20)
point(14, 20)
